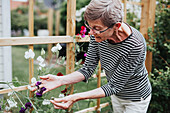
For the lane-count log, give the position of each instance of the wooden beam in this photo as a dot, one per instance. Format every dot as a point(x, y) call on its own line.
point(21, 88)
point(92, 108)
point(11, 41)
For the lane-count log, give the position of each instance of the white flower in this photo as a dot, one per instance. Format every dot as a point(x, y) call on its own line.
point(61, 96)
point(29, 54)
point(33, 80)
point(12, 103)
point(40, 59)
point(56, 48)
point(42, 51)
point(46, 102)
point(42, 64)
point(7, 108)
point(77, 63)
point(10, 93)
point(39, 68)
point(30, 88)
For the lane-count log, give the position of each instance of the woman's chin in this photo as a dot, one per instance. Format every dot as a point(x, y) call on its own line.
point(98, 39)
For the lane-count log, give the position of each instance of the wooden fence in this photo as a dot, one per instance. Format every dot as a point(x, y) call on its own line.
point(147, 20)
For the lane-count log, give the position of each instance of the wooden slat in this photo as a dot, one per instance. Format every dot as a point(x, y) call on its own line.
point(102, 75)
point(134, 3)
point(92, 108)
point(10, 41)
point(21, 88)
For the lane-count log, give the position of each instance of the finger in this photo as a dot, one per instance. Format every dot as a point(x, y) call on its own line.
point(55, 107)
point(60, 105)
point(59, 100)
point(44, 77)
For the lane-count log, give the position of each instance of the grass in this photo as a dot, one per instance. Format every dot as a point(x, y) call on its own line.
point(21, 72)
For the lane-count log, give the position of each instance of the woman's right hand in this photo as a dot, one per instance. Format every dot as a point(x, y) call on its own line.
point(50, 82)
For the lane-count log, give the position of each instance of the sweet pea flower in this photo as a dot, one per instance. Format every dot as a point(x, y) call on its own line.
point(33, 80)
point(42, 51)
point(61, 95)
point(46, 102)
point(64, 91)
point(60, 74)
point(29, 54)
point(38, 83)
point(28, 105)
point(40, 59)
point(42, 64)
point(38, 94)
point(56, 48)
point(85, 54)
point(12, 103)
point(22, 110)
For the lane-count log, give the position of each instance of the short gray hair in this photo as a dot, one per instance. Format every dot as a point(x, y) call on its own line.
point(109, 11)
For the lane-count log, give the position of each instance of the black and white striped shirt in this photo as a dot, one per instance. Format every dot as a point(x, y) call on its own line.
point(124, 65)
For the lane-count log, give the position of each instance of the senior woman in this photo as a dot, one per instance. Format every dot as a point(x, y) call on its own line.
point(121, 50)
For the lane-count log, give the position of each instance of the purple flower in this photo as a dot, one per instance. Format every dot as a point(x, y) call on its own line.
point(22, 110)
point(39, 94)
point(42, 89)
point(28, 105)
point(0, 108)
point(38, 83)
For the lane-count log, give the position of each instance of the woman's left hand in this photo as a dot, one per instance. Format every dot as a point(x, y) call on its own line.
point(65, 102)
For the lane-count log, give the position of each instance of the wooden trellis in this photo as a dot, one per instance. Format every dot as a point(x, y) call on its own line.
point(147, 20)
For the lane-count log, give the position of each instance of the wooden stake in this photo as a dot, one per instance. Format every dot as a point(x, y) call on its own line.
point(125, 10)
point(31, 34)
point(50, 29)
point(148, 20)
point(57, 26)
point(98, 85)
point(71, 25)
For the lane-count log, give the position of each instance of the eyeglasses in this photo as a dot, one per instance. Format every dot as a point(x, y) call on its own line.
point(97, 31)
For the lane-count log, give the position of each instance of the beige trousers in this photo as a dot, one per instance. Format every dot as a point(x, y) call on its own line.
point(127, 106)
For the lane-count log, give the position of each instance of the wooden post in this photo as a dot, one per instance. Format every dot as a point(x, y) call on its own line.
point(125, 10)
point(148, 20)
point(98, 85)
point(31, 34)
point(71, 24)
point(57, 25)
point(50, 29)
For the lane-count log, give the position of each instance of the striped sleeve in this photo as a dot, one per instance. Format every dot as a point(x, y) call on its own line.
point(124, 71)
point(91, 60)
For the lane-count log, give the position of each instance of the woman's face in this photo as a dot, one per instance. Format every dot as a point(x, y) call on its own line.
point(97, 26)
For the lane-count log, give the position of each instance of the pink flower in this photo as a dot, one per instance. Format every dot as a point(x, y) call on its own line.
point(83, 35)
point(85, 54)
